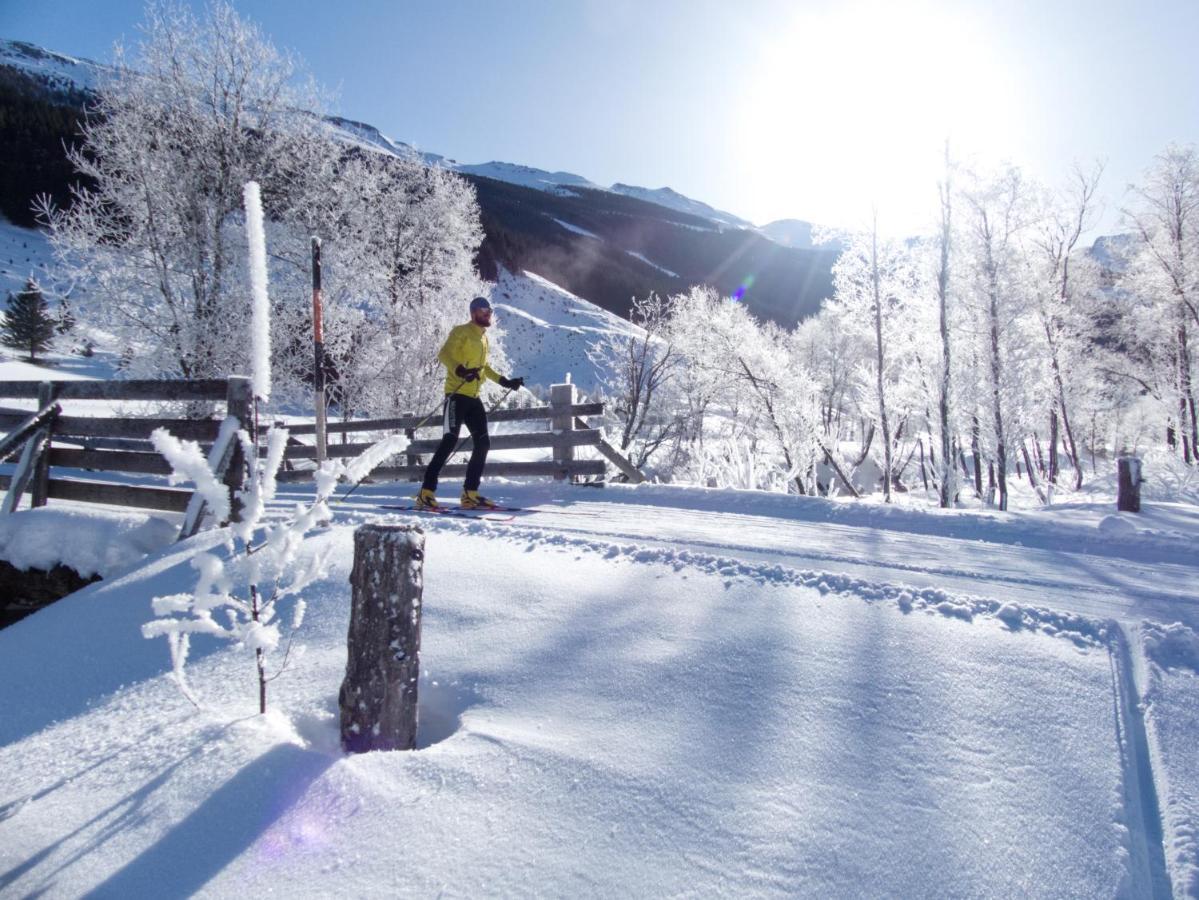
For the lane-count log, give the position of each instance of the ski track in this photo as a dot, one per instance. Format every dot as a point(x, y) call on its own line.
point(1081, 629)
point(1142, 811)
point(1081, 583)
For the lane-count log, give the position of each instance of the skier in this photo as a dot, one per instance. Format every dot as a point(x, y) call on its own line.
point(464, 355)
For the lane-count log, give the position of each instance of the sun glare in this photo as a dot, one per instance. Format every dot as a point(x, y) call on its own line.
point(851, 108)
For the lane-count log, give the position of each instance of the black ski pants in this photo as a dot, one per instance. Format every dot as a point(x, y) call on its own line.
point(460, 410)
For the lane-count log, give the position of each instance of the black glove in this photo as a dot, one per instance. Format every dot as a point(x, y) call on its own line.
point(466, 374)
point(512, 384)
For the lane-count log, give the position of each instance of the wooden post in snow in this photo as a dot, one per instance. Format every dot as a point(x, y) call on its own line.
point(1128, 496)
point(239, 403)
point(562, 398)
point(378, 697)
point(41, 473)
point(318, 346)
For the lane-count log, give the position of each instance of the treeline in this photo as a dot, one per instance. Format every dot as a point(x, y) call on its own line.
point(996, 348)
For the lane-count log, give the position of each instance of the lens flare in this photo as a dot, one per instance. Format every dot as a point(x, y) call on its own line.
point(743, 288)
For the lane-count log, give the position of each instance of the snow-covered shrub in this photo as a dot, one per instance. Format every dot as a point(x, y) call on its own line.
point(239, 599)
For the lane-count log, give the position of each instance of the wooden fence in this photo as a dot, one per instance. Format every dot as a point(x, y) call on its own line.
point(47, 439)
point(110, 444)
point(567, 431)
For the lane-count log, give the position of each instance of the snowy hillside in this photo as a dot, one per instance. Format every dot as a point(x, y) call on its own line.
point(526, 176)
point(550, 334)
point(24, 253)
point(58, 71)
point(671, 199)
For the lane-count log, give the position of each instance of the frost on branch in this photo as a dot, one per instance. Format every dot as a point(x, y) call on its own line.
point(238, 599)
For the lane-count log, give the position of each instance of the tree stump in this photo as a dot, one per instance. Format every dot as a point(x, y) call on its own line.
point(378, 697)
point(1128, 495)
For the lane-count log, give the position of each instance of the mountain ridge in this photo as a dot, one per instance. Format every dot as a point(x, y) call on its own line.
point(606, 245)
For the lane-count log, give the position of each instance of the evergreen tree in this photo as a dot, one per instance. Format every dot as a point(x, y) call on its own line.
point(27, 324)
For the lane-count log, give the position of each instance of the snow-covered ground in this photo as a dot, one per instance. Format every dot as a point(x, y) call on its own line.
point(643, 690)
point(628, 691)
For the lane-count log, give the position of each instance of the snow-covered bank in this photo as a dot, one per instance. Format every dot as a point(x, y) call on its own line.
point(91, 540)
point(599, 725)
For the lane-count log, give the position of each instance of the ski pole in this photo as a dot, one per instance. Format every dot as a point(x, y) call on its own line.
point(418, 425)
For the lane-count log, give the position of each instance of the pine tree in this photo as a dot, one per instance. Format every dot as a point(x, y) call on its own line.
point(28, 325)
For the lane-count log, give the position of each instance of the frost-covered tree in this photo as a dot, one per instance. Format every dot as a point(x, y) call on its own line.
point(401, 271)
point(27, 324)
point(943, 244)
point(1162, 287)
point(646, 363)
point(996, 215)
point(206, 106)
point(239, 596)
point(1063, 281)
point(873, 282)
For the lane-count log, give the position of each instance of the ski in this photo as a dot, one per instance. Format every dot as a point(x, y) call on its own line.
point(457, 512)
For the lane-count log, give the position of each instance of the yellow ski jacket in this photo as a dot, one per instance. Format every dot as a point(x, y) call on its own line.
point(466, 346)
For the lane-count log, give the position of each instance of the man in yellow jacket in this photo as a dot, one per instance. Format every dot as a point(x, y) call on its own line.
point(464, 355)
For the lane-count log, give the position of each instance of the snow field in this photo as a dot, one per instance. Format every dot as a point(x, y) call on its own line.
point(596, 722)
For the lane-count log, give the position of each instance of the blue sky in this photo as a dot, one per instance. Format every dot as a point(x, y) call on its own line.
point(767, 109)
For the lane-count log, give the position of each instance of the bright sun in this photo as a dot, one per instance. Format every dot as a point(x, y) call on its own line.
point(851, 106)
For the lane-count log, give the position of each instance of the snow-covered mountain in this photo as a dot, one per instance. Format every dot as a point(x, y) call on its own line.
point(552, 336)
point(789, 232)
point(59, 72)
point(527, 176)
point(672, 199)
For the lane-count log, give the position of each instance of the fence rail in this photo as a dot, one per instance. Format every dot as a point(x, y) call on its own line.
point(48, 440)
point(117, 445)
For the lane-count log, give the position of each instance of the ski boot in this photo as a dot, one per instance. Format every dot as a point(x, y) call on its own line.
point(475, 500)
point(427, 500)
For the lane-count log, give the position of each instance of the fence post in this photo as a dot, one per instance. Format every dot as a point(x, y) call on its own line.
point(562, 398)
point(41, 473)
point(239, 399)
point(318, 346)
point(1128, 496)
point(412, 459)
point(378, 697)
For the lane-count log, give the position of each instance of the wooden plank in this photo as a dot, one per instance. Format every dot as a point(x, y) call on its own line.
point(617, 458)
point(527, 441)
point(164, 499)
point(23, 474)
point(505, 469)
point(89, 426)
point(199, 389)
point(28, 425)
point(41, 473)
point(149, 463)
point(96, 443)
point(500, 415)
point(562, 401)
point(220, 457)
point(239, 405)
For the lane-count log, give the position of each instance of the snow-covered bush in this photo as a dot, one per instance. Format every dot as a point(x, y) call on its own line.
point(239, 598)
